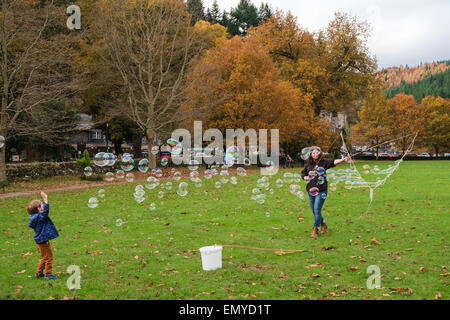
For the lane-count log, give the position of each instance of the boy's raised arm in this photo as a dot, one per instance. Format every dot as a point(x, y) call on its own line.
point(44, 196)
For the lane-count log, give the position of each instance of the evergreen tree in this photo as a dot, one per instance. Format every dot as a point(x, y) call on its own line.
point(244, 16)
point(264, 12)
point(215, 13)
point(195, 8)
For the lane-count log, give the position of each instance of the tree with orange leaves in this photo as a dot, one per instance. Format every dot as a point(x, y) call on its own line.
point(437, 124)
point(405, 118)
point(242, 88)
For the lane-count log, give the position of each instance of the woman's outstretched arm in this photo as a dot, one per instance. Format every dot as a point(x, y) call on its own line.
point(346, 160)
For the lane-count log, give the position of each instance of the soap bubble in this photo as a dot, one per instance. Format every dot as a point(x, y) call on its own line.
point(197, 182)
point(164, 161)
point(321, 180)
point(88, 171)
point(152, 206)
point(288, 177)
point(314, 191)
point(260, 199)
point(177, 175)
point(268, 214)
point(93, 202)
point(161, 194)
point(224, 176)
point(110, 159)
point(324, 195)
point(231, 153)
point(157, 172)
point(270, 165)
point(155, 150)
point(101, 193)
point(182, 190)
point(241, 172)
point(168, 185)
point(2, 141)
point(129, 177)
point(127, 163)
point(109, 176)
point(193, 175)
point(301, 195)
point(120, 174)
point(320, 171)
point(176, 146)
point(100, 159)
point(152, 183)
point(143, 165)
point(305, 153)
point(348, 184)
point(366, 167)
point(233, 180)
point(208, 174)
point(311, 174)
point(139, 187)
point(247, 162)
point(279, 183)
point(193, 165)
point(119, 222)
point(139, 193)
point(218, 184)
point(256, 191)
point(333, 186)
point(294, 189)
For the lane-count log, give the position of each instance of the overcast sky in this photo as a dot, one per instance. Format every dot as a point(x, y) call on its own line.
point(403, 31)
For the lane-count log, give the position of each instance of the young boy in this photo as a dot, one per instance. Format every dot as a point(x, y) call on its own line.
point(44, 231)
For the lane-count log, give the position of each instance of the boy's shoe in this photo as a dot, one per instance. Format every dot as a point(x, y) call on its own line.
point(50, 277)
point(38, 275)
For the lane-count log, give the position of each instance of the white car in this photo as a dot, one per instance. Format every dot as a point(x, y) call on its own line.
point(424, 154)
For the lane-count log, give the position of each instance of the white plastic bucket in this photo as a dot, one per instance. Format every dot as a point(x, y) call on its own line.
point(211, 257)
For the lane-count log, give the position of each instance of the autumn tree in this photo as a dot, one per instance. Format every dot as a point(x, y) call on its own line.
point(437, 124)
point(37, 78)
point(371, 128)
point(405, 119)
point(150, 44)
point(196, 10)
point(242, 88)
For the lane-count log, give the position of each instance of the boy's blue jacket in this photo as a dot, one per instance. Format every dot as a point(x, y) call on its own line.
point(44, 229)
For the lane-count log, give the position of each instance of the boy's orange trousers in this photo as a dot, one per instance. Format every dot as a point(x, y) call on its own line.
point(47, 258)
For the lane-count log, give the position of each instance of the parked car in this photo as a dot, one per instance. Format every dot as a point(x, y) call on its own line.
point(424, 154)
point(384, 155)
point(367, 153)
point(446, 154)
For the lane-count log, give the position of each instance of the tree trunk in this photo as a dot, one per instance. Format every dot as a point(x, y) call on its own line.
point(150, 134)
point(117, 146)
point(3, 177)
point(137, 144)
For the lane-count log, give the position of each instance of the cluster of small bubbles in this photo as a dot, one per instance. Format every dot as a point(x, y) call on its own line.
point(129, 177)
point(143, 165)
point(93, 202)
point(88, 171)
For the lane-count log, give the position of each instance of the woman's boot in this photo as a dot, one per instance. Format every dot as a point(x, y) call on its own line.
point(314, 233)
point(323, 228)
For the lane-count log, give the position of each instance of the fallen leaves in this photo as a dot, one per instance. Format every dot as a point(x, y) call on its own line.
point(20, 272)
point(353, 268)
point(438, 296)
point(374, 241)
point(314, 265)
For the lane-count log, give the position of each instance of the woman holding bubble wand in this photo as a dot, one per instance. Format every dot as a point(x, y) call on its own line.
point(317, 186)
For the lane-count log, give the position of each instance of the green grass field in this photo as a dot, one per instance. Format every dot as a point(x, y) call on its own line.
point(154, 255)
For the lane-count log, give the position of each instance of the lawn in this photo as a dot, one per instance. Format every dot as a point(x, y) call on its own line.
point(154, 253)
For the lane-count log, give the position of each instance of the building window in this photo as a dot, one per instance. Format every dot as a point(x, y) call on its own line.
point(96, 134)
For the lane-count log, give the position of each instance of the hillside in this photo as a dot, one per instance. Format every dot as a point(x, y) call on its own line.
point(433, 85)
point(396, 76)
